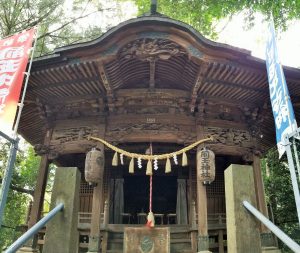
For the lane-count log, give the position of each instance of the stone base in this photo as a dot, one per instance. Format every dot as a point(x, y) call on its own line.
point(203, 244)
point(270, 250)
point(28, 250)
point(94, 244)
point(267, 240)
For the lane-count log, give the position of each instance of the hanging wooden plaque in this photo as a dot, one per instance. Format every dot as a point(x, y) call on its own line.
point(146, 240)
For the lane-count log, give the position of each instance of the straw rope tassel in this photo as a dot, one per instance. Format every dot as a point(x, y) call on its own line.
point(149, 171)
point(168, 166)
point(150, 220)
point(131, 166)
point(115, 159)
point(184, 159)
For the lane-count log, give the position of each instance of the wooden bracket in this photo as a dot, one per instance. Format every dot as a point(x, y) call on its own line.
point(199, 81)
point(107, 86)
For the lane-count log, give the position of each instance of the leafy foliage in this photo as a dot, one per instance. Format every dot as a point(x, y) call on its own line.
point(280, 196)
point(24, 179)
point(203, 14)
point(58, 21)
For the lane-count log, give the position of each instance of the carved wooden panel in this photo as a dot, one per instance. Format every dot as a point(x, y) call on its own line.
point(229, 136)
point(148, 49)
point(151, 130)
point(219, 110)
point(72, 135)
point(75, 108)
point(145, 102)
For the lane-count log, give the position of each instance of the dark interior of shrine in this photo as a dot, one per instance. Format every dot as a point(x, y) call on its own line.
point(164, 198)
point(136, 194)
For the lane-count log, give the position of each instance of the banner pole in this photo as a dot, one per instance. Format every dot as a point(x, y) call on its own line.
point(296, 158)
point(4, 135)
point(287, 98)
point(274, 69)
point(293, 177)
point(7, 176)
point(21, 104)
point(14, 143)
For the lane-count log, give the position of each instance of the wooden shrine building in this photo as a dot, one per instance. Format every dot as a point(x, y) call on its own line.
point(151, 79)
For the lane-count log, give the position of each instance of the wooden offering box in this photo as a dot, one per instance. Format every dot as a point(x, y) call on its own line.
point(146, 240)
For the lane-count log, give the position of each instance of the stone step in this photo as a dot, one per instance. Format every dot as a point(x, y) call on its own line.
point(270, 250)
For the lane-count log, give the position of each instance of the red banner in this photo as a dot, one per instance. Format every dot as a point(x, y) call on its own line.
point(14, 53)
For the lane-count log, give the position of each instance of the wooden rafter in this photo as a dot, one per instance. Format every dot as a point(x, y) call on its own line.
point(236, 85)
point(199, 81)
point(61, 84)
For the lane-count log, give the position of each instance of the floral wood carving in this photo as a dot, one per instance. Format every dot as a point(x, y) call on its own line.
point(147, 49)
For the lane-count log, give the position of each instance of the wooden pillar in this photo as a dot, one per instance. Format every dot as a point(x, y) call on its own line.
point(203, 240)
point(221, 241)
point(94, 238)
point(39, 192)
point(259, 188)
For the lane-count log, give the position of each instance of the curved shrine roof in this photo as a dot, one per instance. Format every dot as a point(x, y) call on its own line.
point(146, 54)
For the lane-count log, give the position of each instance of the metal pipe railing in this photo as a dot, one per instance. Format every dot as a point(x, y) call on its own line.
point(35, 229)
point(277, 231)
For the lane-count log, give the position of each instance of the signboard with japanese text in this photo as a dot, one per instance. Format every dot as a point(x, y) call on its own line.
point(14, 53)
point(283, 112)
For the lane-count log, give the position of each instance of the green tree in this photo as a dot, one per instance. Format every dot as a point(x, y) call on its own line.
point(204, 14)
point(58, 22)
point(20, 193)
point(280, 196)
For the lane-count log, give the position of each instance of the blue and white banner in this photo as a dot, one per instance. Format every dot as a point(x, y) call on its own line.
point(283, 112)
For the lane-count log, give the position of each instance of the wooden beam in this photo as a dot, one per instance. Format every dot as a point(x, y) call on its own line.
point(108, 87)
point(199, 81)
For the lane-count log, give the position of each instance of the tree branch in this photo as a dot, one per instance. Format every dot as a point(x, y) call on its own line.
point(67, 23)
point(20, 189)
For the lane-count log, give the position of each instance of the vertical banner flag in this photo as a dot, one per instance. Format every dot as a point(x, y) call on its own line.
point(283, 112)
point(14, 53)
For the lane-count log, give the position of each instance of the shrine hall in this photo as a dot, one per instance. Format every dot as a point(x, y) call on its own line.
point(151, 85)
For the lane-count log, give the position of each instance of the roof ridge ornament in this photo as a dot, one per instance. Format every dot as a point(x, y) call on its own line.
point(153, 9)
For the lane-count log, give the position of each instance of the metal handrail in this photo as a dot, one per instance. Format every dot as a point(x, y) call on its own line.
point(35, 229)
point(277, 231)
